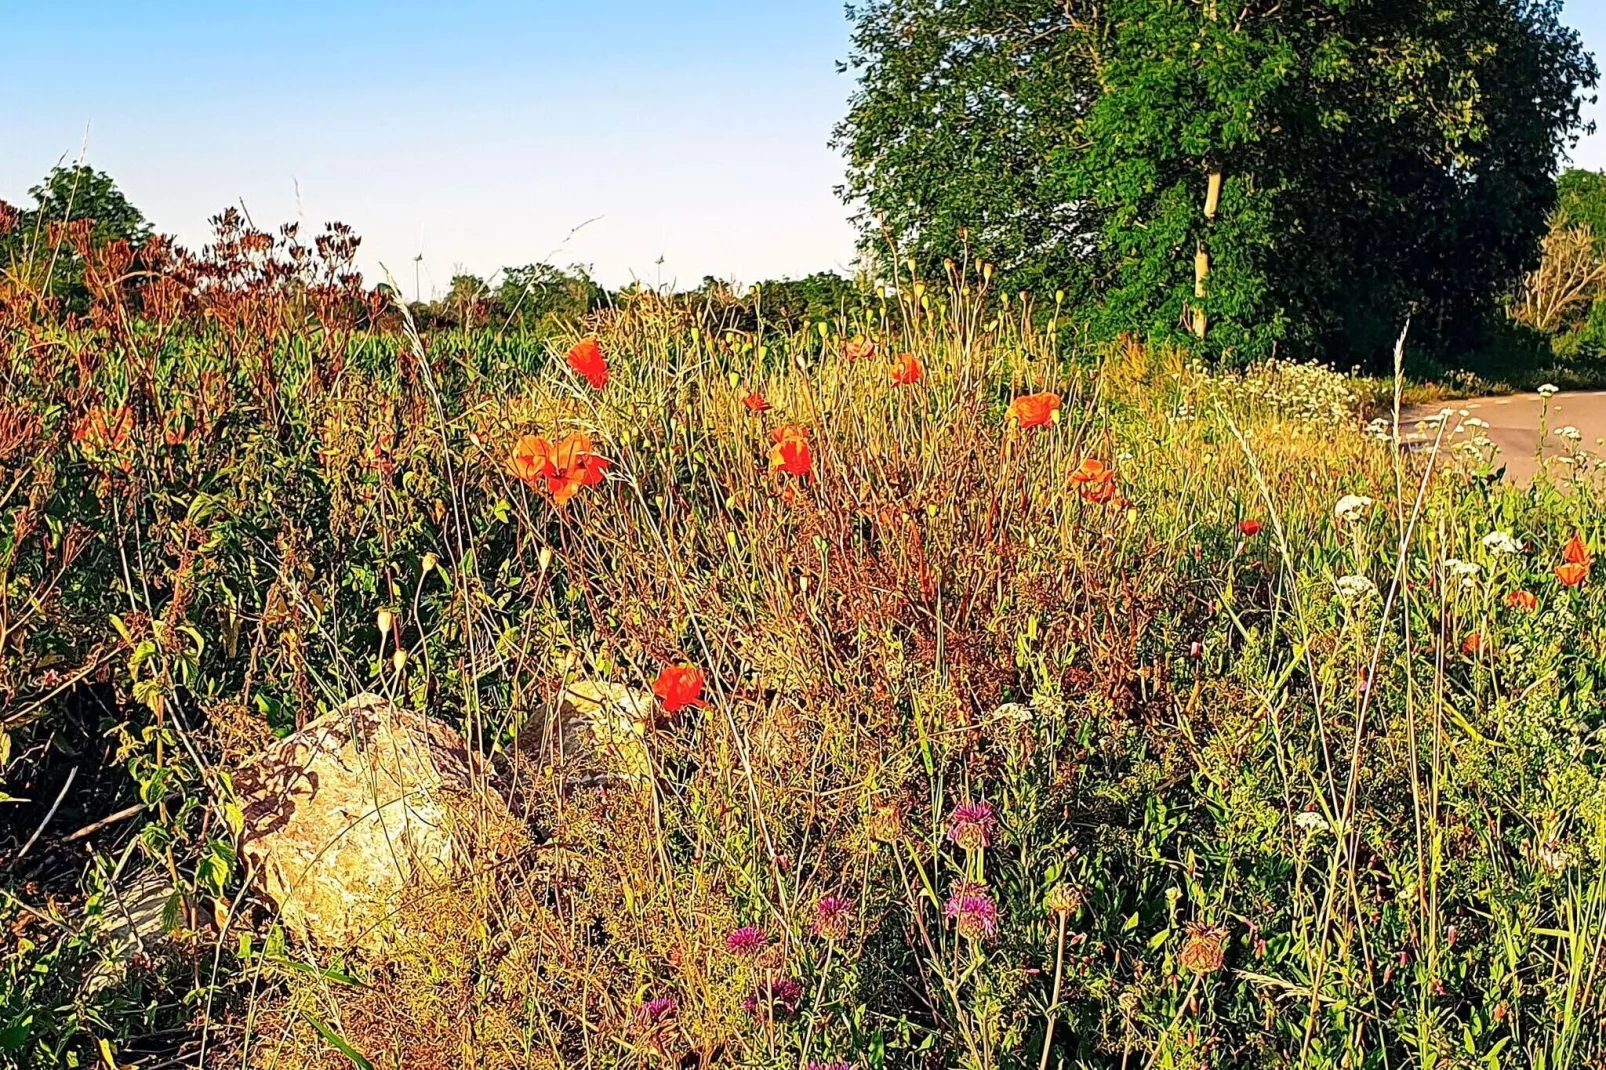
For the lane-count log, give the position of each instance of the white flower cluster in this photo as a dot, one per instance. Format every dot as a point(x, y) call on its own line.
point(1351, 506)
point(1354, 588)
point(1500, 542)
point(1305, 393)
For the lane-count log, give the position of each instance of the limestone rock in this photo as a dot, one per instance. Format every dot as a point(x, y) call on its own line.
point(599, 732)
point(362, 811)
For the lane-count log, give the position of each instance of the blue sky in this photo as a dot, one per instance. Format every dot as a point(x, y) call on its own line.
point(478, 133)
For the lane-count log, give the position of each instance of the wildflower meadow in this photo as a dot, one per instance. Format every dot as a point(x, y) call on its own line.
point(992, 699)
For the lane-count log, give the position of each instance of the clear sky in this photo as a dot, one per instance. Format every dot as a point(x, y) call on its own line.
point(691, 135)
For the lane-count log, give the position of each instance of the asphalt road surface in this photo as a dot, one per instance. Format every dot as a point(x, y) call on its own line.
point(1515, 422)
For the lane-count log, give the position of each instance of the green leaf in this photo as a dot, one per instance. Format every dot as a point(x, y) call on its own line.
point(338, 1042)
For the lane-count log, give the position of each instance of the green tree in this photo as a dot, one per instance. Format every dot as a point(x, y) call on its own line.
point(538, 297)
point(1581, 199)
point(37, 247)
point(1274, 174)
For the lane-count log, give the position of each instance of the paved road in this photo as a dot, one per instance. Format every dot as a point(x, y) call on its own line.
point(1514, 425)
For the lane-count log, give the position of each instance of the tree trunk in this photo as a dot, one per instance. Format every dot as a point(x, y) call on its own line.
point(1201, 257)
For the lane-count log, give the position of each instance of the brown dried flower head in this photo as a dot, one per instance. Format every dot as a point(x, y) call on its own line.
point(1064, 898)
point(1205, 950)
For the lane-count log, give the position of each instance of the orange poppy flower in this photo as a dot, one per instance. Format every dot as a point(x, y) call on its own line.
point(586, 358)
point(1096, 479)
point(859, 348)
point(1091, 470)
point(1572, 573)
point(755, 402)
point(1523, 600)
point(791, 453)
point(529, 457)
point(559, 469)
point(679, 686)
point(1577, 552)
point(1474, 644)
point(1033, 410)
point(907, 370)
point(1249, 528)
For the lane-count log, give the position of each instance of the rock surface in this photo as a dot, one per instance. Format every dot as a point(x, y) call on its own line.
point(362, 811)
point(598, 733)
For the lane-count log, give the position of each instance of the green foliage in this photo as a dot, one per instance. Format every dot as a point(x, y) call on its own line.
point(951, 136)
point(44, 249)
point(537, 296)
point(533, 299)
point(1581, 199)
point(1378, 160)
point(776, 305)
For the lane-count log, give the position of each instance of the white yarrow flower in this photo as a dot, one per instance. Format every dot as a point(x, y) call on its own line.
point(1549, 390)
point(1351, 506)
point(1311, 821)
point(1500, 542)
point(1354, 588)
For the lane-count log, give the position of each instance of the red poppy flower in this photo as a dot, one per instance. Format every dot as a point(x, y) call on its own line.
point(907, 370)
point(1033, 410)
point(1523, 600)
point(586, 358)
point(1249, 528)
point(755, 402)
point(1474, 644)
point(1096, 479)
point(1572, 573)
point(859, 348)
point(530, 454)
point(1577, 552)
point(791, 453)
point(560, 469)
point(679, 686)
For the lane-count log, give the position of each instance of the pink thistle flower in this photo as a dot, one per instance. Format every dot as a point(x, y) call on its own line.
point(971, 825)
point(747, 941)
point(973, 910)
point(833, 916)
point(653, 1011)
point(781, 997)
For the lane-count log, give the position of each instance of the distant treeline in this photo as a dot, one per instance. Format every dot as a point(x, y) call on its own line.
point(76, 210)
point(541, 297)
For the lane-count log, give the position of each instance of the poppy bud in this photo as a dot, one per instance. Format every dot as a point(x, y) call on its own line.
point(430, 561)
point(386, 619)
point(398, 660)
point(546, 558)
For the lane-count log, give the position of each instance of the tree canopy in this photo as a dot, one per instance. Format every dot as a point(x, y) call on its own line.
point(1292, 176)
point(37, 241)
